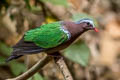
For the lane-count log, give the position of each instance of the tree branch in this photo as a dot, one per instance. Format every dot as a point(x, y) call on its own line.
point(63, 67)
point(41, 63)
point(34, 69)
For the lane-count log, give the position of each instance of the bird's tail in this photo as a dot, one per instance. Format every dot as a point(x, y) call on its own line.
point(18, 52)
point(23, 48)
point(12, 57)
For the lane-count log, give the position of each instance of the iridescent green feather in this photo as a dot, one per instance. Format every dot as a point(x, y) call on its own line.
point(47, 36)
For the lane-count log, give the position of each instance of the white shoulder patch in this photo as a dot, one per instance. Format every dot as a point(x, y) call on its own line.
point(65, 31)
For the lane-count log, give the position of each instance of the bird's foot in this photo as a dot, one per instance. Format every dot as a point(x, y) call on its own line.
point(55, 56)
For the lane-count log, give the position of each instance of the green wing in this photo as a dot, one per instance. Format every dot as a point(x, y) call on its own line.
point(47, 36)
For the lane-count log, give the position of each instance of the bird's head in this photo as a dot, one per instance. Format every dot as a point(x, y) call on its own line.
point(88, 24)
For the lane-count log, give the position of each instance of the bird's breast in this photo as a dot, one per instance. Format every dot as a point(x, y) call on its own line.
point(62, 46)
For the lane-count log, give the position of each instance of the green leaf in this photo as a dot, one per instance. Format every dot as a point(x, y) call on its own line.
point(78, 52)
point(2, 60)
point(57, 2)
point(28, 4)
point(30, 78)
point(17, 68)
point(35, 8)
point(37, 76)
point(79, 16)
point(6, 50)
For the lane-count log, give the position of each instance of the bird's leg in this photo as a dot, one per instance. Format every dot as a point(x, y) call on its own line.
point(56, 55)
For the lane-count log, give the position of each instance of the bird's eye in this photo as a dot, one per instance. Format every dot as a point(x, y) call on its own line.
point(88, 23)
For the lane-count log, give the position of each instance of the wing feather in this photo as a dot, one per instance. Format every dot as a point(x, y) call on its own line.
point(39, 39)
point(47, 36)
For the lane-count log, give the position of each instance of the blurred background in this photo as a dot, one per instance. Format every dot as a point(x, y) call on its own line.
point(93, 56)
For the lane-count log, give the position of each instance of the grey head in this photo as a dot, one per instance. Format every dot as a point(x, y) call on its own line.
point(88, 24)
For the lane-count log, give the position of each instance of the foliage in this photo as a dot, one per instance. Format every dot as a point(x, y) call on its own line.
point(2, 60)
point(78, 52)
point(36, 76)
point(106, 45)
point(28, 4)
point(6, 50)
point(17, 67)
point(57, 2)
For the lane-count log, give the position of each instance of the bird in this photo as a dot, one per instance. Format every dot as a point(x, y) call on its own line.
point(51, 37)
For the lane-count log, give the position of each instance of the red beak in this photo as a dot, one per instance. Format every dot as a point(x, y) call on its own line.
point(96, 30)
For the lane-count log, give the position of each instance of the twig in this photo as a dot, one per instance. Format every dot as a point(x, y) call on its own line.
point(59, 61)
point(63, 67)
point(34, 69)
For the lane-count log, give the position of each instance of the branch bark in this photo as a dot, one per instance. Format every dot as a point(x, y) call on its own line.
point(41, 63)
point(63, 67)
